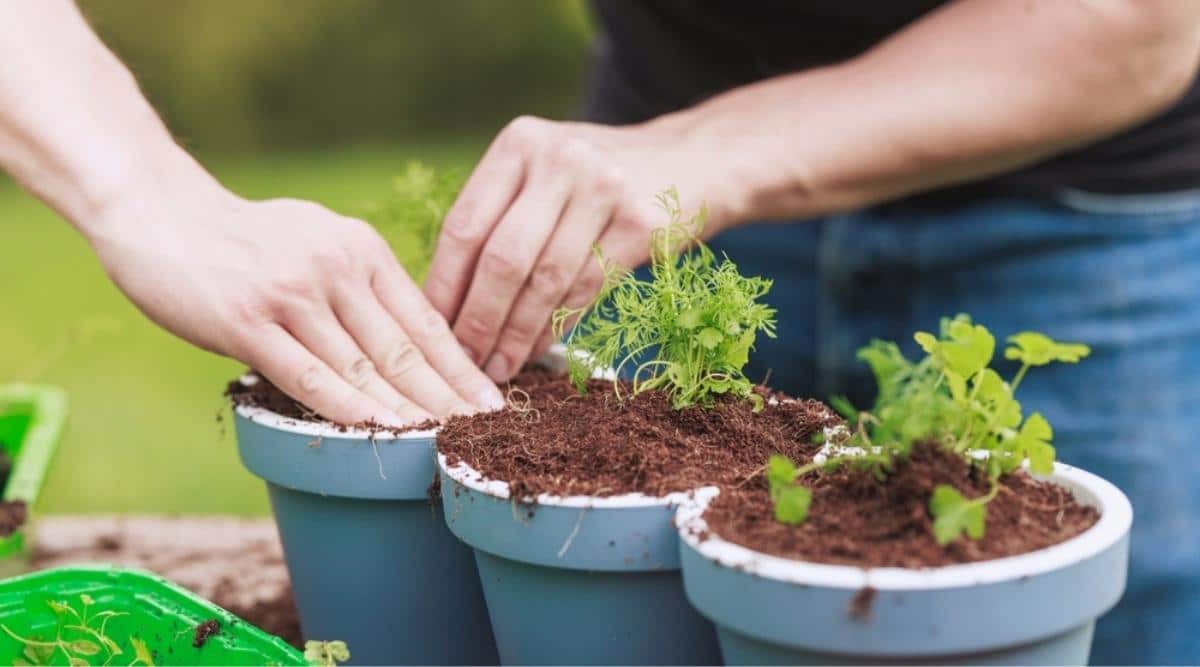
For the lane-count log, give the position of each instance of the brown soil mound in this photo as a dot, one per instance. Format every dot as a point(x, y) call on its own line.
point(555, 440)
point(856, 520)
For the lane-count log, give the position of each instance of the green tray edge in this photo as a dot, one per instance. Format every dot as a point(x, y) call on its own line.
point(168, 595)
point(46, 426)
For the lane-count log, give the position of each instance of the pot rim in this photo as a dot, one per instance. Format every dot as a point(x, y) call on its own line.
point(553, 358)
point(464, 474)
point(1116, 517)
point(274, 420)
point(321, 429)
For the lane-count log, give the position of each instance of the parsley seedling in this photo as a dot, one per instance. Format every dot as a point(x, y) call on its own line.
point(953, 398)
point(696, 317)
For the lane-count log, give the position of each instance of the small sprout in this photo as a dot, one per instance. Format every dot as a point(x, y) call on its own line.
point(791, 499)
point(953, 515)
point(142, 652)
point(326, 654)
point(80, 638)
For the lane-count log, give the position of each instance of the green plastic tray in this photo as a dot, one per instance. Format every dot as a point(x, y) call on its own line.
point(32, 418)
point(152, 610)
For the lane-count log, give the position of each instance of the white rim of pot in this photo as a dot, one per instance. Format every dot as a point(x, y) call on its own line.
point(554, 357)
point(471, 478)
point(1116, 516)
point(278, 422)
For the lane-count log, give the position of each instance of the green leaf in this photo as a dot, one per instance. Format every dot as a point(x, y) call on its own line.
point(1034, 442)
point(969, 349)
point(1037, 349)
point(887, 363)
point(780, 471)
point(953, 515)
point(791, 504)
point(690, 318)
point(957, 384)
point(339, 650)
point(76, 662)
point(710, 338)
point(84, 647)
point(142, 651)
point(739, 353)
point(927, 341)
point(844, 407)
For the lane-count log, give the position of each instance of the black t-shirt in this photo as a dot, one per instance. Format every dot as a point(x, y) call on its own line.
point(653, 57)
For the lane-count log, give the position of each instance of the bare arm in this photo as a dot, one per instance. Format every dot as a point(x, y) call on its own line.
point(976, 88)
point(314, 300)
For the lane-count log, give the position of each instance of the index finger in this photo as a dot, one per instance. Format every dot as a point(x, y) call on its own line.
point(487, 194)
point(429, 330)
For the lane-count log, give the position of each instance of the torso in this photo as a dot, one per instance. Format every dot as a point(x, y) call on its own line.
point(657, 57)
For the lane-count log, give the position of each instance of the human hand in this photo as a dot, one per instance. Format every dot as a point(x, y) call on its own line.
point(314, 301)
point(518, 241)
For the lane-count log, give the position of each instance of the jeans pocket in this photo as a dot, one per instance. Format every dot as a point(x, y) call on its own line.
point(1162, 208)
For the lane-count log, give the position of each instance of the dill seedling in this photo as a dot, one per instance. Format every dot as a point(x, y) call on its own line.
point(410, 216)
point(696, 319)
point(950, 397)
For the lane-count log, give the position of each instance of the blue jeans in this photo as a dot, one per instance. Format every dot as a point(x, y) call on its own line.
point(1119, 273)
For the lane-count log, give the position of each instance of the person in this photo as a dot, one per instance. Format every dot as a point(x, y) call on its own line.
point(315, 301)
point(1033, 164)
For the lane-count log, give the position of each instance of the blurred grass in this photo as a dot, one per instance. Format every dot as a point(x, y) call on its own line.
point(143, 433)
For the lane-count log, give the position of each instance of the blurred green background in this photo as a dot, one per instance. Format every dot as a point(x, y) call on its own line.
point(320, 99)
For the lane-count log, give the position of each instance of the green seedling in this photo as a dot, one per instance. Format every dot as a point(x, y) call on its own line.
point(953, 398)
point(696, 317)
point(80, 639)
point(410, 216)
point(325, 654)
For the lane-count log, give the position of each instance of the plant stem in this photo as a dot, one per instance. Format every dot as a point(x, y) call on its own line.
point(1018, 377)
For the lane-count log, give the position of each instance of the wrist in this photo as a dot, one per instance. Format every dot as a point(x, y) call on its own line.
point(714, 167)
point(138, 181)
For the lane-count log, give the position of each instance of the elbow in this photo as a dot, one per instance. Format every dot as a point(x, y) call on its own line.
point(1153, 51)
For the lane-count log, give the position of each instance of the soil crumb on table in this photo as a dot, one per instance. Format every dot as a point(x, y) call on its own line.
point(856, 520)
point(13, 514)
point(554, 440)
point(204, 631)
point(236, 563)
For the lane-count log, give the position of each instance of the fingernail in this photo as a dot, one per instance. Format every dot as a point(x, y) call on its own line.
point(497, 367)
point(491, 399)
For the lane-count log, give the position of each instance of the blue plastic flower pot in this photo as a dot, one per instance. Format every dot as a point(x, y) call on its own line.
point(578, 580)
point(370, 558)
point(1034, 609)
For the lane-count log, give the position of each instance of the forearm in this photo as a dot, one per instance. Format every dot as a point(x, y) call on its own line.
point(977, 88)
point(74, 128)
